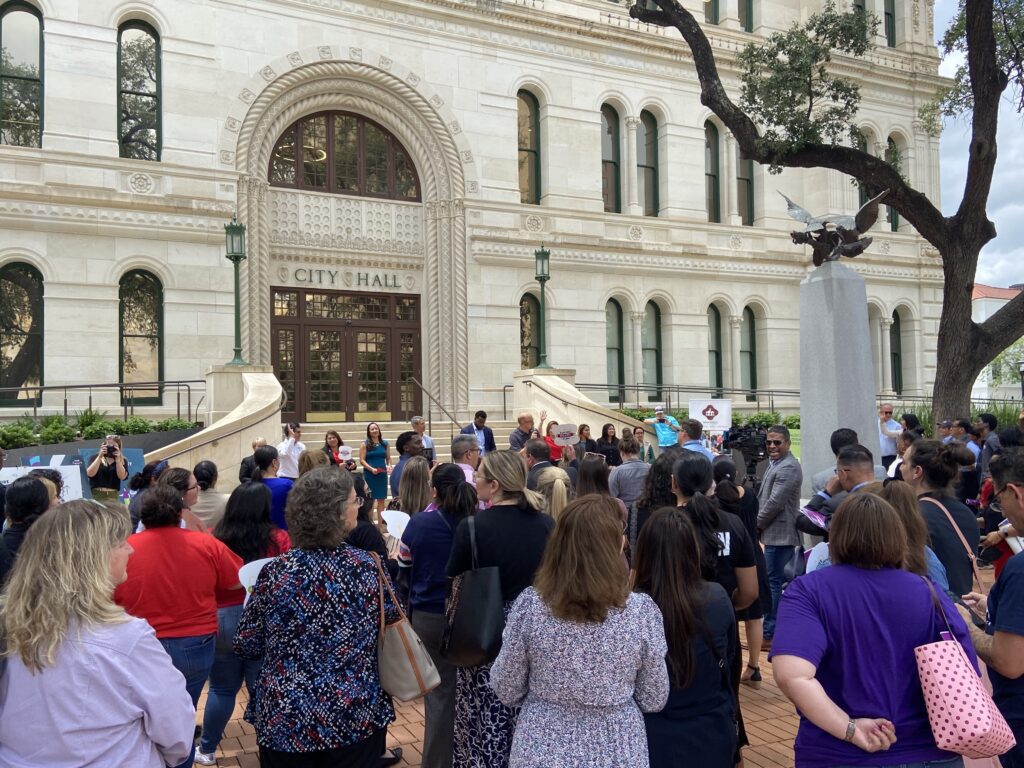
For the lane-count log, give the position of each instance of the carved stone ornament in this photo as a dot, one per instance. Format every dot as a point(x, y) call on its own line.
point(412, 78)
point(636, 232)
point(227, 156)
point(436, 101)
point(356, 54)
point(295, 59)
point(282, 274)
point(247, 96)
point(232, 124)
point(736, 242)
point(268, 74)
point(410, 282)
point(385, 63)
point(325, 52)
point(141, 183)
point(915, 14)
point(885, 247)
point(534, 223)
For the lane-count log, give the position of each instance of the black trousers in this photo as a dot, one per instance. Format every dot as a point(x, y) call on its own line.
point(362, 754)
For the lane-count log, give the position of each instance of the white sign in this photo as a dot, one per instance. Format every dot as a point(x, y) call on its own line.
point(344, 452)
point(714, 415)
point(71, 473)
point(565, 435)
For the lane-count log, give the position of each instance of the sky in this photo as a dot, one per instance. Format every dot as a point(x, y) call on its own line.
point(1002, 260)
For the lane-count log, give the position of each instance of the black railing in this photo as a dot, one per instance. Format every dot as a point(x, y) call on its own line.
point(13, 397)
point(645, 395)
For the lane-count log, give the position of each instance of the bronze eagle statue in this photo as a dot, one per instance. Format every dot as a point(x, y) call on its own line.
point(834, 235)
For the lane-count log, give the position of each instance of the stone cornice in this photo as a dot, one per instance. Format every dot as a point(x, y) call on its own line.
point(204, 226)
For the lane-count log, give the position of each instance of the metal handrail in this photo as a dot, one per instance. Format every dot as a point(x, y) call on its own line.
point(435, 401)
point(127, 406)
point(665, 392)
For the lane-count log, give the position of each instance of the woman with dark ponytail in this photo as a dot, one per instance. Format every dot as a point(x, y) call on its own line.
point(267, 464)
point(931, 468)
point(426, 544)
point(734, 499)
point(698, 724)
point(726, 549)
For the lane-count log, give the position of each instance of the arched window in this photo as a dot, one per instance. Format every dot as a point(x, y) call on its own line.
point(715, 348)
point(745, 188)
point(610, 188)
point(21, 75)
point(711, 11)
point(748, 352)
point(138, 91)
point(711, 172)
point(896, 353)
point(142, 322)
point(616, 369)
point(529, 331)
point(650, 343)
point(21, 332)
point(647, 163)
point(890, 23)
point(746, 11)
point(346, 154)
point(529, 148)
point(894, 158)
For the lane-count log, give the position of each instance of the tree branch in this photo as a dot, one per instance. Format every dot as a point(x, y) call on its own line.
point(874, 172)
point(1003, 328)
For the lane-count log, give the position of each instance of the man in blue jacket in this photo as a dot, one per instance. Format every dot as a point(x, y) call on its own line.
point(484, 435)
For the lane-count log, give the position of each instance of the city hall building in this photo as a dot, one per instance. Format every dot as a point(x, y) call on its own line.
point(396, 164)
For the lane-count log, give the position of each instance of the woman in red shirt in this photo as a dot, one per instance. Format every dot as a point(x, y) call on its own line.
point(247, 531)
point(172, 582)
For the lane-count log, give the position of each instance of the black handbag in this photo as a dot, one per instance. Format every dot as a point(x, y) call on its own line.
point(474, 614)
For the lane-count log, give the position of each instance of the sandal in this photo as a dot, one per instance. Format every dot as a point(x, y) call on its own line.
point(394, 758)
point(753, 679)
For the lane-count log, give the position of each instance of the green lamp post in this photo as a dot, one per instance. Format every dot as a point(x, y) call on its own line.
point(234, 235)
point(542, 258)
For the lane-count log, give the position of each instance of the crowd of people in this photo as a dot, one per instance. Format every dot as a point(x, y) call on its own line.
point(626, 582)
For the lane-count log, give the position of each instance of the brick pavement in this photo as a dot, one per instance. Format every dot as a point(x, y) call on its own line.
point(770, 720)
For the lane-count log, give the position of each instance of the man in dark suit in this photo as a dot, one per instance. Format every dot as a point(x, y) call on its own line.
point(538, 458)
point(484, 435)
point(248, 465)
point(840, 439)
point(779, 500)
point(855, 468)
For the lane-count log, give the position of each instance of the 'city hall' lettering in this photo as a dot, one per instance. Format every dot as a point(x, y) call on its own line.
point(316, 276)
point(376, 281)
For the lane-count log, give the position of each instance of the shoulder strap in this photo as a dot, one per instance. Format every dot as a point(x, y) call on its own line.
point(471, 522)
point(960, 535)
point(938, 605)
point(634, 516)
point(382, 581)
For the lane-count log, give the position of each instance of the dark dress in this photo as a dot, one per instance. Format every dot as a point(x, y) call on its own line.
point(513, 539)
point(746, 510)
point(610, 450)
point(697, 727)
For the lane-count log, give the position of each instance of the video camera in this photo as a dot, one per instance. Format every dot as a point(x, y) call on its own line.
point(750, 441)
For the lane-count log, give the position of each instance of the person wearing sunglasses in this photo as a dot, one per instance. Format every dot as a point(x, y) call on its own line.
point(889, 431)
point(779, 503)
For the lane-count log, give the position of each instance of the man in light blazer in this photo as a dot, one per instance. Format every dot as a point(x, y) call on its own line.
point(779, 500)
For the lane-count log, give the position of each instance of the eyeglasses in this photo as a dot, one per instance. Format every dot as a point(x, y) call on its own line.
point(774, 442)
point(191, 488)
point(887, 413)
point(997, 496)
point(592, 455)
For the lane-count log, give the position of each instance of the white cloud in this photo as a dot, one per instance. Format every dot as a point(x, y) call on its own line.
point(1002, 260)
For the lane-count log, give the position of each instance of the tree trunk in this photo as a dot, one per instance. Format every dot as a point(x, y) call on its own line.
point(960, 356)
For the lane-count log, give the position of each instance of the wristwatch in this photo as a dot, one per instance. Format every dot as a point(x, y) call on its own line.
point(851, 730)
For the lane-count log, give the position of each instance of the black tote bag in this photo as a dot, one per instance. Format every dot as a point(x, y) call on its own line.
point(474, 614)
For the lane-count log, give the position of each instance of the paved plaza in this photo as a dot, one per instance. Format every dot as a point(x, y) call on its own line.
point(770, 719)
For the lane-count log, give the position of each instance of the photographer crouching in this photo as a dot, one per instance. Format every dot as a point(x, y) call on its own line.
point(107, 470)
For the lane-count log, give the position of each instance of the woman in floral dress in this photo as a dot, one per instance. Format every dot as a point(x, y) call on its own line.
point(582, 655)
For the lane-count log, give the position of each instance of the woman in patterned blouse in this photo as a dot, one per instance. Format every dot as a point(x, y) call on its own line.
point(314, 617)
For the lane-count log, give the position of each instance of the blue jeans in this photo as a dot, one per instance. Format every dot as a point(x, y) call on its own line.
point(225, 679)
point(193, 657)
point(776, 558)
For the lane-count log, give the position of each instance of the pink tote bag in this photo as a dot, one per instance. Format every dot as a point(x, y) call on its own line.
point(963, 717)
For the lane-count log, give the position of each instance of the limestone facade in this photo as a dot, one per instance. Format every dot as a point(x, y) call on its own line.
point(442, 76)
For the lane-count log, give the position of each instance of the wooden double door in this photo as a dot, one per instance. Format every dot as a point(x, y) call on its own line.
point(346, 356)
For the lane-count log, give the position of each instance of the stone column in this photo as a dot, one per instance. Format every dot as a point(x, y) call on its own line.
point(877, 7)
point(729, 14)
point(632, 195)
point(253, 211)
point(727, 184)
point(638, 346)
point(836, 377)
point(735, 373)
point(884, 326)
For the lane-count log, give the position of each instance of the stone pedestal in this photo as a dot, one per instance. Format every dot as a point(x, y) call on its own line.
point(837, 377)
point(225, 388)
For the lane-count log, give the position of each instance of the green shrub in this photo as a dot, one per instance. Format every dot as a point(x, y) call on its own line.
point(55, 430)
point(96, 431)
point(168, 424)
point(137, 425)
point(764, 419)
point(114, 427)
point(16, 435)
point(738, 419)
point(1006, 413)
point(791, 422)
point(88, 418)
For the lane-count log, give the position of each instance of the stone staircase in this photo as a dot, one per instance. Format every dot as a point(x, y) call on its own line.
point(353, 433)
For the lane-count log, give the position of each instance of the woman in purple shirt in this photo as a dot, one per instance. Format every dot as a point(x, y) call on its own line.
point(843, 651)
point(85, 684)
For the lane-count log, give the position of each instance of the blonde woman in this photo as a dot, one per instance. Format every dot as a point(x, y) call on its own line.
point(311, 458)
point(414, 486)
point(511, 534)
point(554, 485)
point(86, 684)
